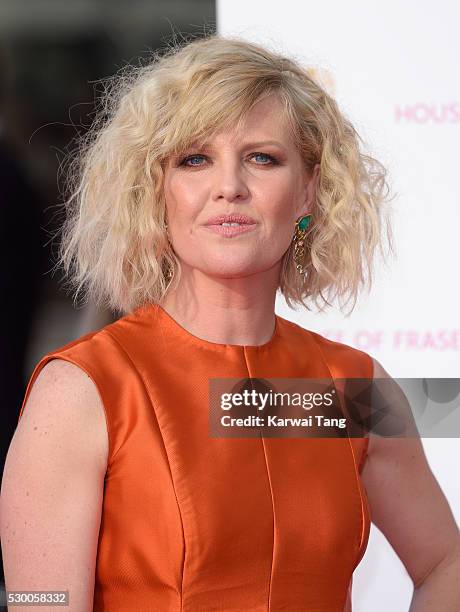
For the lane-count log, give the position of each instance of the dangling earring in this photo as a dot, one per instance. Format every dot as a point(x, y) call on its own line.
point(299, 242)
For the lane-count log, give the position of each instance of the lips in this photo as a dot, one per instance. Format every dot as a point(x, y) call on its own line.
point(232, 218)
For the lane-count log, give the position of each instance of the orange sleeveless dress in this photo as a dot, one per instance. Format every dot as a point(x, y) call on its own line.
point(192, 523)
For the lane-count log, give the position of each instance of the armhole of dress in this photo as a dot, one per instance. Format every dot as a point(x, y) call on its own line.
point(365, 509)
point(79, 363)
point(366, 512)
point(365, 449)
point(363, 457)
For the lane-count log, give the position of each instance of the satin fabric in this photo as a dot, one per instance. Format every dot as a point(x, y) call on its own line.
point(192, 523)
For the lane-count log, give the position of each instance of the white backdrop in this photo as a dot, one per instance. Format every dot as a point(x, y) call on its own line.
point(393, 67)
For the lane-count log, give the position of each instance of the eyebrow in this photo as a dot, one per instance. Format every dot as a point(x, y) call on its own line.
point(246, 145)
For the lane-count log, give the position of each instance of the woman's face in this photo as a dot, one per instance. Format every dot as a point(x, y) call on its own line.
point(257, 174)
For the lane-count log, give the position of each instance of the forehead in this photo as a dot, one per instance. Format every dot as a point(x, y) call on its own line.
point(265, 122)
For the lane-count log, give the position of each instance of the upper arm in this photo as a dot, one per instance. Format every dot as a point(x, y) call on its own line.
point(52, 486)
point(405, 499)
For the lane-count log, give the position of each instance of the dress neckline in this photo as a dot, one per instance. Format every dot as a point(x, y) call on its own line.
point(184, 334)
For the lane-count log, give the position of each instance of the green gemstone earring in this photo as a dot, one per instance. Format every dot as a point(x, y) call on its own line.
point(299, 242)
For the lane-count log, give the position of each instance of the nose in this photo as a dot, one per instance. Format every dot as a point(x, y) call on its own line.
point(229, 182)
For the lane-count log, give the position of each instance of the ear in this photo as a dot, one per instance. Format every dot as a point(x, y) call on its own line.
point(310, 191)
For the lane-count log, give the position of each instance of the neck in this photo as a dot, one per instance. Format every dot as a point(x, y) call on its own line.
point(225, 310)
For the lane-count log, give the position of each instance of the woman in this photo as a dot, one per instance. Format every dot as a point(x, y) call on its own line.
point(222, 172)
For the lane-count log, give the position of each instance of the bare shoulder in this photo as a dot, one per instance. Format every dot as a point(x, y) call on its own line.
point(395, 414)
point(65, 403)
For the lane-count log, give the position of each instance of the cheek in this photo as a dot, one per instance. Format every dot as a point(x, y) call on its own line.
point(183, 200)
point(279, 209)
point(282, 215)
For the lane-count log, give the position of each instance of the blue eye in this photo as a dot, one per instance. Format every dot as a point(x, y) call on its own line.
point(270, 157)
point(270, 160)
point(188, 158)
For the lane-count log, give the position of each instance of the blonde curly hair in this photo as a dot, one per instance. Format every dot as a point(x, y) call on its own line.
point(114, 246)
